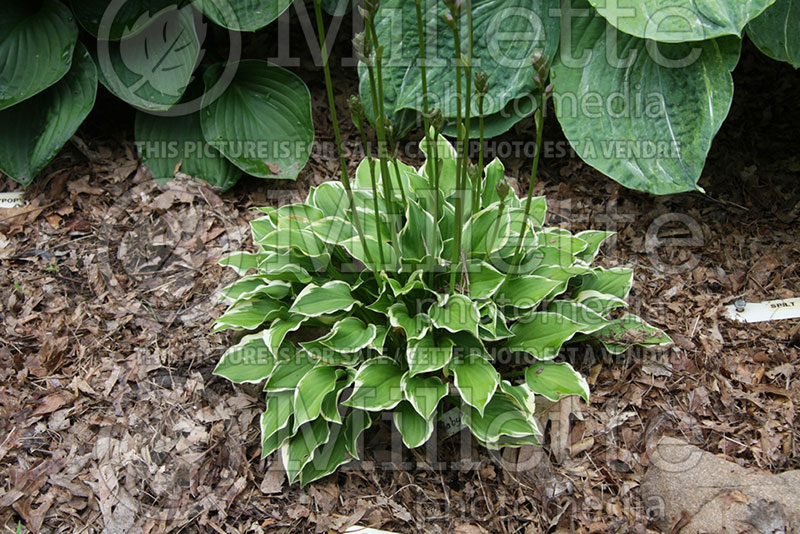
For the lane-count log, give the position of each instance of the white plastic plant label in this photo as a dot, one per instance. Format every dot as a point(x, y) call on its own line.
point(451, 420)
point(770, 310)
point(12, 200)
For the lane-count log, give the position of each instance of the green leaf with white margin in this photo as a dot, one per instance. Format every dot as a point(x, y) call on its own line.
point(506, 62)
point(630, 330)
point(356, 249)
point(274, 419)
point(242, 15)
point(678, 21)
point(330, 297)
point(424, 393)
point(297, 452)
point(428, 354)
point(446, 155)
point(415, 327)
point(310, 392)
point(420, 233)
point(356, 422)
point(502, 417)
point(152, 69)
point(276, 333)
point(250, 286)
point(328, 457)
point(241, 262)
point(414, 429)
point(525, 291)
point(661, 146)
point(480, 230)
point(330, 404)
point(494, 172)
point(555, 381)
point(594, 239)
point(522, 394)
point(249, 361)
point(580, 314)
point(475, 379)
point(32, 132)
point(377, 385)
point(484, 280)
point(776, 32)
point(191, 154)
point(349, 335)
point(600, 303)
point(289, 370)
point(331, 199)
point(617, 281)
point(249, 314)
point(262, 102)
point(37, 40)
point(541, 334)
point(456, 313)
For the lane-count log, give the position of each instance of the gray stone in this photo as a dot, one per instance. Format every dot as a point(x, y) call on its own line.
point(690, 491)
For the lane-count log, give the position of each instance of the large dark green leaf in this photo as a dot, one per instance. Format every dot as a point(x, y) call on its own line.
point(776, 32)
point(33, 131)
point(168, 144)
point(36, 45)
point(152, 69)
point(507, 32)
point(111, 20)
point(678, 21)
point(262, 122)
point(243, 15)
point(646, 120)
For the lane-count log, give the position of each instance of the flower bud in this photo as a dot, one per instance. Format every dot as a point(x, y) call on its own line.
point(502, 189)
point(541, 65)
point(371, 7)
point(474, 172)
point(481, 83)
point(356, 110)
point(449, 20)
point(436, 119)
point(454, 6)
point(362, 48)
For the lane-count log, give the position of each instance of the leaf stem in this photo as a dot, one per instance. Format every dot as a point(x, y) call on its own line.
point(459, 215)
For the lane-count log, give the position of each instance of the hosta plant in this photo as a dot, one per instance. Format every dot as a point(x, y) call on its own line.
point(338, 332)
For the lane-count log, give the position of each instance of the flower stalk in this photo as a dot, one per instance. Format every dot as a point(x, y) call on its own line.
point(541, 69)
point(345, 175)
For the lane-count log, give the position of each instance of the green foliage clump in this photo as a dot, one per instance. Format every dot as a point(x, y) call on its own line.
point(340, 329)
point(159, 57)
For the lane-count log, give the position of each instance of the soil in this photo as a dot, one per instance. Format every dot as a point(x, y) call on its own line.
point(110, 419)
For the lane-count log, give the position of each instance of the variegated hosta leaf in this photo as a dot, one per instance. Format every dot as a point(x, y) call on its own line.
point(311, 391)
point(377, 385)
point(556, 381)
point(455, 314)
point(250, 314)
point(525, 291)
point(276, 422)
point(288, 372)
point(502, 417)
point(349, 335)
point(414, 429)
point(298, 451)
point(249, 361)
point(428, 354)
point(631, 330)
point(541, 334)
point(414, 327)
point(617, 282)
point(423, 394)
point(330, 297)
point(475, 379)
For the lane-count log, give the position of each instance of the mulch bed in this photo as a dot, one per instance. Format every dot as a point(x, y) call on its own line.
point(110, 419)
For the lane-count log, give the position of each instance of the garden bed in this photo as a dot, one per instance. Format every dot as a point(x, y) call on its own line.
point(111, 417)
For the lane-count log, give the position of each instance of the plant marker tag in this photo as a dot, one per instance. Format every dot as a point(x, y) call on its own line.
point(770, 310)
point(451, 420)
point(12, 200)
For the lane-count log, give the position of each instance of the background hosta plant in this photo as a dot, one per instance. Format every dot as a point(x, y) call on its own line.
point(641, 87)
point(335, 335)
point(200, 113)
